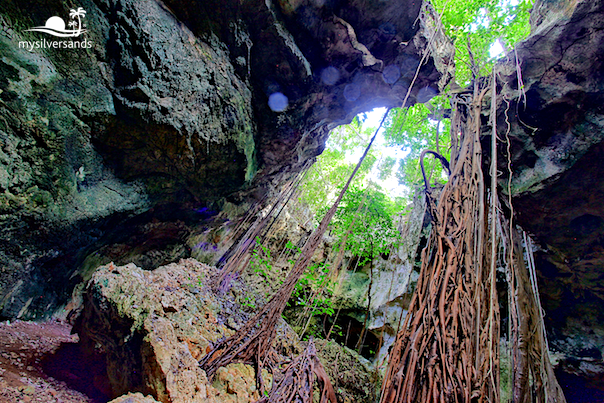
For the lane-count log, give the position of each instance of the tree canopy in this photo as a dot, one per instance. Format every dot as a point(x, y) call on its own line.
point(480, 26)
point(485, 25)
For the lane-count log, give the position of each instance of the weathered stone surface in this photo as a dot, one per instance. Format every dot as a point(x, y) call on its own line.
point(168, 112)
point(557, 149)
point(352, 376)
point(237, 383)
point(152, 328)
point(134, 398)
point(558, 118)
point(184, 120)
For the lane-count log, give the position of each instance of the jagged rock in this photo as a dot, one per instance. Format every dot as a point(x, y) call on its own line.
point(152, 328)
point(237, 383)
point(352, 376)
point(134, 398)
point(168, 112)
point(578, 349)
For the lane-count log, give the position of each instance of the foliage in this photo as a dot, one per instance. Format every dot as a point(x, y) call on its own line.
point(369, 216)
point(330, 172)
point(426, 126)
point(386, 166)
point(261, 259)
point(249, 302)
point(315, 289)
point(484, 22)
point(418, 128)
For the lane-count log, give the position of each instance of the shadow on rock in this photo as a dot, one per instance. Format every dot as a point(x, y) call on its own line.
point(83, 373)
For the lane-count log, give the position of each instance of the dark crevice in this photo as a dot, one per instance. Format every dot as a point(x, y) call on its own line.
point(84, 373)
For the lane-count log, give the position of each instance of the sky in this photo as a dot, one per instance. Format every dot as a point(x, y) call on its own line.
point(390, 184)
point(374, 117)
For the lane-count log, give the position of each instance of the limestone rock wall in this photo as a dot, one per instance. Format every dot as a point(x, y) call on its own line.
point(152, 328)
point(170, 111)
point(555, 92)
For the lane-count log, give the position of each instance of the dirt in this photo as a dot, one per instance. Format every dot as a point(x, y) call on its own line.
point(39, 362)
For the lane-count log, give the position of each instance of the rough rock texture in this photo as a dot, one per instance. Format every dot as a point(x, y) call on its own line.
point(557, 133)
point(352, 376)
point(57, 196)
point(151, 343)
point(168, 112)
point(134, 398)
point(35, 365)
point(152, 327)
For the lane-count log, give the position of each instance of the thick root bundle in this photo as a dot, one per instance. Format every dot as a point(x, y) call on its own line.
point(298, 380)
point(447, 348)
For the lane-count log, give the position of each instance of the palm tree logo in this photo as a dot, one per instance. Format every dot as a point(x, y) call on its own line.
point(55, 26)
point(80, 12)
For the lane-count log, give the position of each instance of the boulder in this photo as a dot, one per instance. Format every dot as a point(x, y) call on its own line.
point(153, 327)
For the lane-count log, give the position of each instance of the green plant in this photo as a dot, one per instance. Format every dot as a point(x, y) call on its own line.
point(292, 249)
point(415, 129)
point(366, 219)
point(261, 259)
point(482, 24)
point(327, 176)
point(249, 302)
point(479, 26)
point(314, 292)
point(337, 330)
point(290, 246)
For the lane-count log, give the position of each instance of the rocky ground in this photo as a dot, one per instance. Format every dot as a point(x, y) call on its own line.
point(42, 362)
point(36, 365)
point(158, 324)
point(144, 331)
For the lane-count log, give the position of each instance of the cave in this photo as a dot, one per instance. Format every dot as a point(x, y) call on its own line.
point(157, 194)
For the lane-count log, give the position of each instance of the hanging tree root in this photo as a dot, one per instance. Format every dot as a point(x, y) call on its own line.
point(447, 350)
point(527, 336)
point(443, 352)
point(298, 380)
point(443, 162)
point(252, 342)
point(240, 252)
point(530, 357)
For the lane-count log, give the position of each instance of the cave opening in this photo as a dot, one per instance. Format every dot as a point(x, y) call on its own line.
point(347, 331)
point(109, 121)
